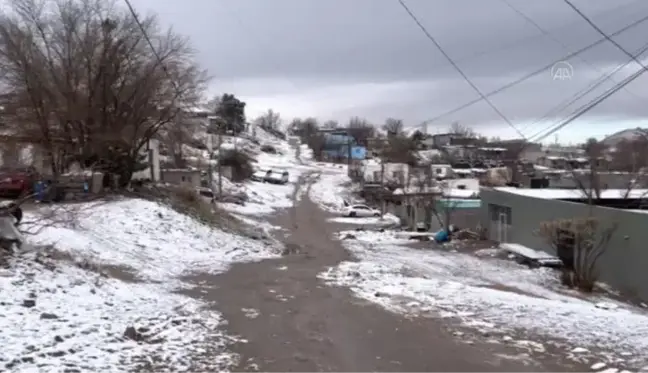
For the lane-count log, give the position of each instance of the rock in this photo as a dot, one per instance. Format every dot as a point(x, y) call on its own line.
point(58, 339)
point(132, 334)
point(29, 303)
point(48, 316)
point(579, 350)
point(349, 236)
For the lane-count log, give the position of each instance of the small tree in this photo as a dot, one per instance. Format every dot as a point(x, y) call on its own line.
point(444, 206)
point(304, 128)
point(232, 111)
point(330, 124)
point(579, 242)
point(361, 130)
point(240, 162)
point(271, 120)
point(393, 127)
point(461, 130)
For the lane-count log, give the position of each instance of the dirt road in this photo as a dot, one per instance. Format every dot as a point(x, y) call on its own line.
point(292, 322)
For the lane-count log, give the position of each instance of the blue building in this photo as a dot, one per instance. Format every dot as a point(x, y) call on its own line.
point(337, 143)
point(342, 152)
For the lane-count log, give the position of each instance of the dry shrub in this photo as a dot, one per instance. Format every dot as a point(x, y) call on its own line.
point(579, 243)
point(268, 149)
point(241, 163)
point(188, 202)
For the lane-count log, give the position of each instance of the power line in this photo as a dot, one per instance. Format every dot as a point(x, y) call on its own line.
point(585, 108)
point(563, 45)
point(536, 72)
point(150, 43)
point(456, 67)
point(582, 93)
point(519, 42)
point(608, 38)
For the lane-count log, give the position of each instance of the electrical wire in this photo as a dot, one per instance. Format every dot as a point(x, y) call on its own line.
point(536, 72)
point(519, 42)
point(583, 92)
point(456, 67)
point(598, 29)
point(585, 108)
point(150, 43)
point(544, 32)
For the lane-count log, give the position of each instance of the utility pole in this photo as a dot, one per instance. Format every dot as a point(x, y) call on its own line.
point(220, 174)
point(348, 152)
point(382, 186)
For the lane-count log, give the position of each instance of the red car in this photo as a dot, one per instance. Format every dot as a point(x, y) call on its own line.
point(16, 182)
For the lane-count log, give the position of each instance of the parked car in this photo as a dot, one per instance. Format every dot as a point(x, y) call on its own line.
point(260, 175)
point(360, 211)
point(277, 177)
point(16, 182)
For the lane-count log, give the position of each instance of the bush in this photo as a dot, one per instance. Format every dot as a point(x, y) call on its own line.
point(579, 243)
point(240, 162)
point(198, 144)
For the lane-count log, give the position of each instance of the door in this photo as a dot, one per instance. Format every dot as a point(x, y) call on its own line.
point(502, 228)
point(500, 222)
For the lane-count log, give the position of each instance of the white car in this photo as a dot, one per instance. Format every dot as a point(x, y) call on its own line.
point(360, 211)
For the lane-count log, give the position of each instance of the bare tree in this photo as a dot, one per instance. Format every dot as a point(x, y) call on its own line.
point(361, 130)
point(178, 134)
point(444, 206)
point(80, 80)
point(270, 120)
point(461, 130)
point(393, 127)
point(579, 242)
point(330, 124)
point(304, 128)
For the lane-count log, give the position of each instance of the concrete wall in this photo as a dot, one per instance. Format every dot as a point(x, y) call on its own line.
point(624, 265)
point(186, 178)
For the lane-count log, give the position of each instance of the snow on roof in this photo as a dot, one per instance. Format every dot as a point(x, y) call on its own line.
point(548, 193)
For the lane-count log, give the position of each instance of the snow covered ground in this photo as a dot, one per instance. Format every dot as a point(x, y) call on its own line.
point(494, 297)
point(265, 198)
point(387, 219)
point(117, 266)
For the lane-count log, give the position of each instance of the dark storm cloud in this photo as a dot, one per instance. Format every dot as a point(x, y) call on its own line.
point(375, 39)
point(312, 43)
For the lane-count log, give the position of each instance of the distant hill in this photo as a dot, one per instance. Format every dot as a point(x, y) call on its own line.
point(627, 134)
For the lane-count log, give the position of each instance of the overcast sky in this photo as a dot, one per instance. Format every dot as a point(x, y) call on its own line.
point(335, 59)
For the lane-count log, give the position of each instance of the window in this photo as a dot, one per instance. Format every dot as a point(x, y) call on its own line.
point(183, 178)
point(438, 171)
point(496, 212)
point(360, 207)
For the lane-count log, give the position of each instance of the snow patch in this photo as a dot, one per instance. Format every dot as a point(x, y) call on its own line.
point(500, 296)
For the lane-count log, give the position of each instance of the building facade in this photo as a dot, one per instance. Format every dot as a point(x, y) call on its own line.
point(511, 215)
